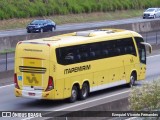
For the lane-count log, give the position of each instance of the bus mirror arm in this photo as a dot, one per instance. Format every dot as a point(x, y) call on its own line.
point(148, 45)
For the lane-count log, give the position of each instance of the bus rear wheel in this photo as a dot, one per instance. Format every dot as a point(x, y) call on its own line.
point(84, 91)
point(74, 94)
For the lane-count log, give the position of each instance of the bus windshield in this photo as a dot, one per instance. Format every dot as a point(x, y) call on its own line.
point(141, 50)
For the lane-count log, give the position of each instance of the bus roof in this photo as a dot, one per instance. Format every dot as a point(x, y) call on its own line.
point(83, 37)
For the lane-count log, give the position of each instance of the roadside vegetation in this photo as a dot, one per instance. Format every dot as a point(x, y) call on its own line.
point(146, 97)
point(18, 13)
point(33, 8)
point(10, 50)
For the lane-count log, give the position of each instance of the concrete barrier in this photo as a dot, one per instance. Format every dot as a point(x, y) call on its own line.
point(11, 41)
point(6, 77)
point(6, 74)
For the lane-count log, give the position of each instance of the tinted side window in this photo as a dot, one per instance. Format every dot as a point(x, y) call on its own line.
point(112, 48)
point(131, 46)
point(94, 51)
point(105, 49)
point(65, 55)
point(83, 51)
point(125, 46)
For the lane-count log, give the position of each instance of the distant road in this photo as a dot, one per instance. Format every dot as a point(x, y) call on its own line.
point(73, 26)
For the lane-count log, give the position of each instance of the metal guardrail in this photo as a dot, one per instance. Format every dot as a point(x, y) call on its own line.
point(7, 59)
point(151, 37)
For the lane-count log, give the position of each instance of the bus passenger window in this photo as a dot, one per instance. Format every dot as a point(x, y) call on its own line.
point(92, 55)
point(78, 58)
point(129, 47)
point(128, 50)
point(105, 53)
point(94, 51)
point(84, 56)
point(118, 51)
point(83, 52)
point(69, 58)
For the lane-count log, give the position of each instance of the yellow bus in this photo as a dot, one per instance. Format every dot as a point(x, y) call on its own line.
point(73, 65)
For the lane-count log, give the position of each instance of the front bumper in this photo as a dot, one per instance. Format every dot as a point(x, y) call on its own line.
point(33, 29)
point(148, 16)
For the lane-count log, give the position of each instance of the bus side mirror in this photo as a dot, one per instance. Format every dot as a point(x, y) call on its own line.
point(147, 45)
point(150, 49)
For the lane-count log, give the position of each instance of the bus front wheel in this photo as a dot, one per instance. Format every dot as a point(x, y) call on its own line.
point(132, 80)
point(84, 91)
point(74, 94)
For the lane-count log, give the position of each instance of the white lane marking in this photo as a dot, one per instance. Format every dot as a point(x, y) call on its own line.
point(147, 57)
point(153, 56)
point(28, 118)
point(7, 59)
point(132, 118)
point(91, 101)
point(6, 86)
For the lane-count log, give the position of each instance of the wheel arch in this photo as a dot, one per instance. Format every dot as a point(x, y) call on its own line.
point(135, 73)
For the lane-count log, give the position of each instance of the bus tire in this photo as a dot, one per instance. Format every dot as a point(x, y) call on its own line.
point(84, 91)
point(74, 94)
point(132, 80)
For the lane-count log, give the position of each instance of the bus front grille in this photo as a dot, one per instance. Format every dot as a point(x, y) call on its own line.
point(28, 69)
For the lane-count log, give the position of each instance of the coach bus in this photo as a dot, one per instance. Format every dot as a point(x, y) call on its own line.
point(75, 64)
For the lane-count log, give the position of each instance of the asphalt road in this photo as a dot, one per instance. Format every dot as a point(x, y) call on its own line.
point(10, 103)
point(74, 26)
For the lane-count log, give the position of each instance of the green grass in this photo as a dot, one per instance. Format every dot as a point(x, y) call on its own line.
point(33, 8)
point(73, 18)
point(10, 50)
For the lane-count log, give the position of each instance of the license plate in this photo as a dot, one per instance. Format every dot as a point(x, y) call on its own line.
point(31, 94)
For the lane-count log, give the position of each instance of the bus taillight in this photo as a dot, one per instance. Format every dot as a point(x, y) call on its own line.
point(50, 84)
point(15, 81)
